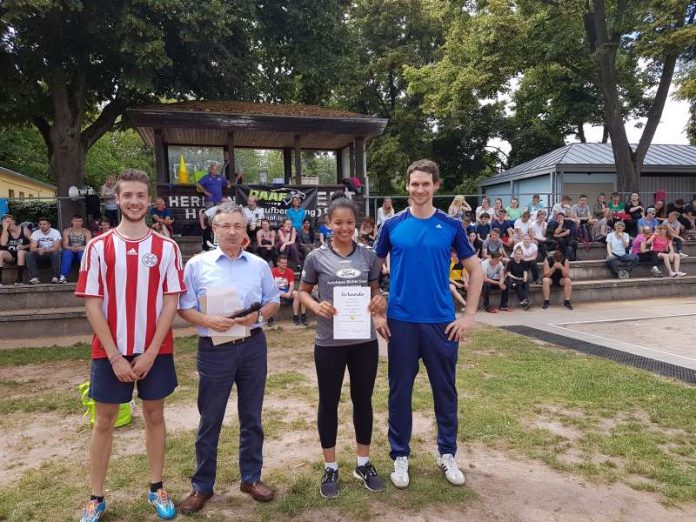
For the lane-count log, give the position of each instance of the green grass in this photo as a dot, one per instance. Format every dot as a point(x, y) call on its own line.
point(576, 414)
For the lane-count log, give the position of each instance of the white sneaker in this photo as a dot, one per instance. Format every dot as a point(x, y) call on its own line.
point(62, 280)
point(34, 281)
point(400, 475)
point(452, 472)
point(54, 280)
point(683, 254)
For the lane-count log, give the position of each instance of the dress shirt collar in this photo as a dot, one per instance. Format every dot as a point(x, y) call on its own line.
point(219, 253)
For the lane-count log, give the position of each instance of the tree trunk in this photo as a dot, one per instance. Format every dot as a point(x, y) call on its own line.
point(68, 152)
point(605, 46)
point(581, 132)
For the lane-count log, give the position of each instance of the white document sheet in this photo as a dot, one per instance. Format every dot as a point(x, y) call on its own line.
point(224, 301)
point(353, 320)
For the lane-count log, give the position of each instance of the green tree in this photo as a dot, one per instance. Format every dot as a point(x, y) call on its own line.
point(577, 62)
point(71, 68)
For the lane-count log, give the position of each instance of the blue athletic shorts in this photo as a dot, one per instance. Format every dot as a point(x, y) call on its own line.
point(159, 383)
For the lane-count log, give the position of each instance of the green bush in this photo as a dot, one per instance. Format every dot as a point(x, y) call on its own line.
point(32, 210)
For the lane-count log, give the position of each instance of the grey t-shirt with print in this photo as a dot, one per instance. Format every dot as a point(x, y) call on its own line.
point(327, 269)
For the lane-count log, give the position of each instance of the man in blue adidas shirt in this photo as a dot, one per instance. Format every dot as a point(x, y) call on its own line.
point(421, 318)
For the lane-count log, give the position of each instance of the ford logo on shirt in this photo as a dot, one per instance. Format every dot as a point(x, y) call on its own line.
point(348, 273)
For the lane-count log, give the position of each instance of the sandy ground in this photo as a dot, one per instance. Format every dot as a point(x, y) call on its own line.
point(509, 489)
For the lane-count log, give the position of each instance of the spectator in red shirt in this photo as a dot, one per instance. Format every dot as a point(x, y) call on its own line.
point(285, 281)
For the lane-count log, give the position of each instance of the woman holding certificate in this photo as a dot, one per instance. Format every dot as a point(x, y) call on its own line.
point(349, 309)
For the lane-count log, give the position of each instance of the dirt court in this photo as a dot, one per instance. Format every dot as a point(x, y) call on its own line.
point(667, 334)
point(508, 488)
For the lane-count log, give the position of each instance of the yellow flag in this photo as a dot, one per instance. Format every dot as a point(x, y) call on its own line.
point(182, 173)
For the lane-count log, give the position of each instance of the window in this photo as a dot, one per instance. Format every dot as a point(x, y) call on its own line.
point(21, 194)
point(11, 193)
point(31, 195)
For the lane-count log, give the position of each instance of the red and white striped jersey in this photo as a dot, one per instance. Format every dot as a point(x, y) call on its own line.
point(132, 278)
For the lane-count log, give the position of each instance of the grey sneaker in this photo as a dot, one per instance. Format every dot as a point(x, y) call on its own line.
point(369, 477)
point(54, 280)
point(623, 274)
point(62, 280)
point(656, 272)
point(329, 483)
point(399, 476)
point(34, 281)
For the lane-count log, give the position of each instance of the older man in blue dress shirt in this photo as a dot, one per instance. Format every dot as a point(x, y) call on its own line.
point(241, 362)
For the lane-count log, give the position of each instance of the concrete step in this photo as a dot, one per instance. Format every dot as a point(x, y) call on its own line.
point(612, 290)
point(597, 251)
point(599, 270)
point(72, 320)
point(48, 297)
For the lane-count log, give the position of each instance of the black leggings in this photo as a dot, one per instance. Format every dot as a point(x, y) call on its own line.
point(331, 362)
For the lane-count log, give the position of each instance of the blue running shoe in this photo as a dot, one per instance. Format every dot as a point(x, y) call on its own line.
point(163, 504)
point(93, 511)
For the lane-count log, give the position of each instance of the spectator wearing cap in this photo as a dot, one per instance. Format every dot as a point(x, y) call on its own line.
point(619, 259)
point(649, 220)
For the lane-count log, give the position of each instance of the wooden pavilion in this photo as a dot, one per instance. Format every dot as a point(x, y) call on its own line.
point(234, 125)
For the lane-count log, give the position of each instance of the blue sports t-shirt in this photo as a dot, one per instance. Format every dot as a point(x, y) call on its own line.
point(420, 258)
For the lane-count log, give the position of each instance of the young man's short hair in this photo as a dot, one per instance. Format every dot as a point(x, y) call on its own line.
point(424, 165)
point(43, 218)
point(132, 175)
point(485, 215)
point(282, 257)
point(496, 255)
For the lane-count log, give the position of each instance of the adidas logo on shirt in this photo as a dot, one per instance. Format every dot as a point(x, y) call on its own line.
point(132, 252)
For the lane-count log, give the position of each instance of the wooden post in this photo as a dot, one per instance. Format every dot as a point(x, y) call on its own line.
point(298, 160)
point(230, 158)
point(339, 166)
point(351, 158)
point(287, 165)
point(360, 159)
point(161, 160)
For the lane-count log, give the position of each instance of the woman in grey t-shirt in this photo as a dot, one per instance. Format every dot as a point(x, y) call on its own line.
point(343, 263)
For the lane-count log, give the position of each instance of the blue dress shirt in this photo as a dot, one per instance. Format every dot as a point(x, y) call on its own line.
point(248, 274)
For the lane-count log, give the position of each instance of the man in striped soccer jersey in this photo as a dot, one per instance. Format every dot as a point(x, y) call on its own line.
point(131, 278)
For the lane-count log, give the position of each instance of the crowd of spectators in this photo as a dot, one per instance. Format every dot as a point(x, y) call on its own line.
point(512, 241)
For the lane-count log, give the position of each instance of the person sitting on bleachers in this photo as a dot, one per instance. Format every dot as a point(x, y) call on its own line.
point(680, 208)
point(514, 212)
point(619, 259)
point(538, 233)
point(635, 209)
point(484, 208)
point(583, 219)
point(75, 239)
point(661, 248)
point(557, 273)
point(45, 246)
point(162, 219)
point(503, 226)
point(367, 232)
point(675, 231)
point(617, 207)
point(468, 225)
point(600, 204)
point(602, 227)
point(494, 277)
point(104, 226)
point(530, 254)
point(649, 220)
point(494, 245)
point(483, 228)
point(325, 233)
point(458, 280)
point(660, 211)
point(284, 279)
point(14, 244)
point(516, 277)
point(305, 238)
point(535, 206)
point(521, 227)
point(265, 242)
point(476, 243)
point(640, 248)
point(286, 243)
point(564, 235)
point(563, 206)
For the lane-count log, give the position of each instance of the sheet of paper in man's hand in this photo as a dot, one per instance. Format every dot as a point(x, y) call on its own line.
point(225, 301)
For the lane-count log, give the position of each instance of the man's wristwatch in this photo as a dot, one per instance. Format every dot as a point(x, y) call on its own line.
point(260, 317)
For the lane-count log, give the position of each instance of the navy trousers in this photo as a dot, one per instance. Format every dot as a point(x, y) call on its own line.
point(409, 343)
point(219, 367)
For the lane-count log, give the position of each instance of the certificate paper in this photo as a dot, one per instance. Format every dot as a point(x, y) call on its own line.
point(353, 320)
point(224, 301)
